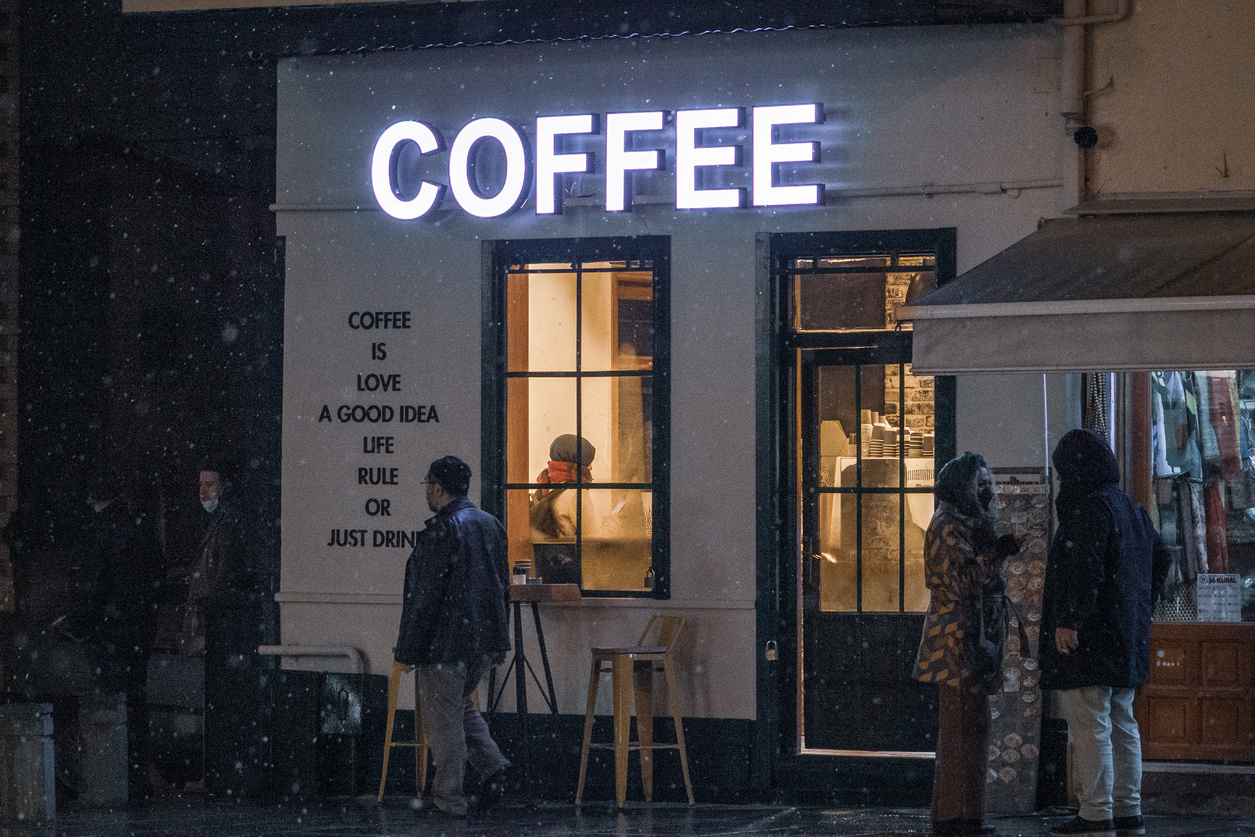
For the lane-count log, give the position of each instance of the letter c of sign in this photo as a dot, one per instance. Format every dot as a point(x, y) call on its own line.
point(381, 170)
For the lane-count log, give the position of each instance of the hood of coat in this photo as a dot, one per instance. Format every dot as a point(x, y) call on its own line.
point(954, 483)
point(1083, 459)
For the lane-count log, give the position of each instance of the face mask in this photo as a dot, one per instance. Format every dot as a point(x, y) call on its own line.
point(210, 505)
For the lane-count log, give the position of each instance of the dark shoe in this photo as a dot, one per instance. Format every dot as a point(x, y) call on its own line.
point(491, 790)
point(426, 807)
point(961, 828)
point(435, 812)
point(1081, 827)
point(1129, 826)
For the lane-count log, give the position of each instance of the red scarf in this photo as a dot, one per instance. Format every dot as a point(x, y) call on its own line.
point(562, 472)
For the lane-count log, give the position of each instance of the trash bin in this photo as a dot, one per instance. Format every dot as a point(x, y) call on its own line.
point(351, 726)
point(326, 731)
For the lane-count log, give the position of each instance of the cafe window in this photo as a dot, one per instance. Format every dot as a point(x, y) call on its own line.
point(1202, 464)
point(581, 330)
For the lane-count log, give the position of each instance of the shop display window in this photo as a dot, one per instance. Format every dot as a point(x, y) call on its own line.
point(581, 403)
point(1202, 461)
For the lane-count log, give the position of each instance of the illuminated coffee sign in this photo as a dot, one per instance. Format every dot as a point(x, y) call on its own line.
point(522, 165)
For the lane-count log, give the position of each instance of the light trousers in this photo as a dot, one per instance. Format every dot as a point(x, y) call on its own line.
point(1106, 751)
point(456, 731)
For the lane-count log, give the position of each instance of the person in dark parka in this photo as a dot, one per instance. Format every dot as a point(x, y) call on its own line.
point(1105, 569)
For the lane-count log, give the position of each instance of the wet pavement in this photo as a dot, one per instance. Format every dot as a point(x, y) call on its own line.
point(360, 817)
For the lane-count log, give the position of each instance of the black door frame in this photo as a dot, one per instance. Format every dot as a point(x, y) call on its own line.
point(776, 769)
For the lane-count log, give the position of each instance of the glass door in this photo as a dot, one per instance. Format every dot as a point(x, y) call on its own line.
point(867, 451)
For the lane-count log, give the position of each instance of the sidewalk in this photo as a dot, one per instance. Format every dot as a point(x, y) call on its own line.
point(360, 817)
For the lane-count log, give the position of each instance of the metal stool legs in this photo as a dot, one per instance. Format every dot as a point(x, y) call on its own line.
point(632, 678)
point(420, 739)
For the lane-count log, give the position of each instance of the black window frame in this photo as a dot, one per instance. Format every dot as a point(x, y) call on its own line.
point(498, 258)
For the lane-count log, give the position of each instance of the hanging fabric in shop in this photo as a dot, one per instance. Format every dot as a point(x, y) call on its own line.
point(1159, 429)
point(1222, 389)
point(1206, 433)
point(1193, 528)
point(1189, 439)
point(1246, 418)
point(1217, 530)
point(1094, 410)
point(1176, 425)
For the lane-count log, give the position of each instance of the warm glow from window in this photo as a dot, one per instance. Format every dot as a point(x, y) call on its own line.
point(580, 351)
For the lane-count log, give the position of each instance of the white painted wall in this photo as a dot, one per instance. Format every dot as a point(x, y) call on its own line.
point(1173, 85)
point(905, 107)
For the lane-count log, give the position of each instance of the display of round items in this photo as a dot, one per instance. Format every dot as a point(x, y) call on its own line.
point(1007, 774)
point(1029, 751)
point(1011, 755)
point(1032, 713)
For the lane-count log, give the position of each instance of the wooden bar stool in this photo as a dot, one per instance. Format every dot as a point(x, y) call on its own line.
point(420, 739)
point(632, 676)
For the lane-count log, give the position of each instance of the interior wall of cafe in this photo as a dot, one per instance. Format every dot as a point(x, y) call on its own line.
point(967, 107)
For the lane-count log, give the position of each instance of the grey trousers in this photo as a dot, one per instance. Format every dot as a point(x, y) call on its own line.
point(456, 731)
point(1106, 751)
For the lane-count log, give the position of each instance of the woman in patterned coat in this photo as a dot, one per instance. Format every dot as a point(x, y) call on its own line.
point(963, 561)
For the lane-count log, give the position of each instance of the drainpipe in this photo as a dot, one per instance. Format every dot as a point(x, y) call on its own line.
point(1072, 106)
point(1072, 94)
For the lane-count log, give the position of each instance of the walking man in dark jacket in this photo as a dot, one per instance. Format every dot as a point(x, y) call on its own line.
point(453, 627)
point(1105, 570)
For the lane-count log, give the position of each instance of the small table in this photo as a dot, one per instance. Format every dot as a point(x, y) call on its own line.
point(533, 594)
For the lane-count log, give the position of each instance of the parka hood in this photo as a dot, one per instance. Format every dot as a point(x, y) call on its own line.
point(1083, 459)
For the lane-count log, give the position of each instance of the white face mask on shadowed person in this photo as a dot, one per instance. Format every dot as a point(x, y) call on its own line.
point(210, 505)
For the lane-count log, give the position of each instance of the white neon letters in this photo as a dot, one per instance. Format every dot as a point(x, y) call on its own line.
point(549, 163)
point(619, 161)
point(703, 163)
point(429, 194)
point(689, 157)
point(462, 168)
point(767, 153)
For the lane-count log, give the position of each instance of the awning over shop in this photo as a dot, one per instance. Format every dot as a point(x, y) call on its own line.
point(1110, 292)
